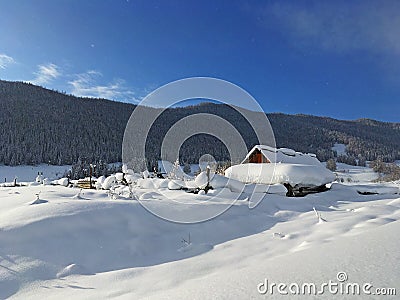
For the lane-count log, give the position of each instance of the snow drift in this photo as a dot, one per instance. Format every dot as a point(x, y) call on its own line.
point(293, 174)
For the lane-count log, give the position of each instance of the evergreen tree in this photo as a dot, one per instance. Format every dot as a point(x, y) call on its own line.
point(331, 164)
point(43, 126)
point(186, 168)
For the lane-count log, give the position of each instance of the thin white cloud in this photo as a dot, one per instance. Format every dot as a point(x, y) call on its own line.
point(340, 27)
point(5, 60)
point(46, 74)
point(87, 85)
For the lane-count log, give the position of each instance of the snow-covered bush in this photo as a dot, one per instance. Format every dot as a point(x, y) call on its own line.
point(38, 200)
point(119, 176)
point(218, 181)
point(78, 195)
point(176, 184)
point(145, 183)
point(132, 178)
point(201, 180)
point(99, 182)
point(176, 171)
point(101, 179)
point(39, 178)
point(109, 182)
point(63, 181)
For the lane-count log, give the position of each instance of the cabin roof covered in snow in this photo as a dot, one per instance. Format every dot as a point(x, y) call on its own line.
point(284, 155)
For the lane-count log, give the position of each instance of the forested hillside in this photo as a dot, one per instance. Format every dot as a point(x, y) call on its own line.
point(40, 125)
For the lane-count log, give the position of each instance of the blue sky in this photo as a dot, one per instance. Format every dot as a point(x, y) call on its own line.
point(329, 58)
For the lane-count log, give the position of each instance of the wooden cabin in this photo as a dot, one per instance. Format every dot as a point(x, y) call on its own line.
point(256, 157)
point(300, 173)
point(262, 154)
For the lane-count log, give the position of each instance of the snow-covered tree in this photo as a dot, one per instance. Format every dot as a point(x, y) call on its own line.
point(176, 172)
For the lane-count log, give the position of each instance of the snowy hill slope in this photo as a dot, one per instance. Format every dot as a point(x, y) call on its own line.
point(353, 174)
point(95, 247)
point(33, 116)
point(29, 173)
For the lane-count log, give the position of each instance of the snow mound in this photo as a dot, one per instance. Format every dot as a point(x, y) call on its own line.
point(39, 201)
point(294, 174)
point(278, 189)
point(145, 174)
point(101, 179)
point(119, 176)
point(149, 196)
point(201, 180)
point(150, 183)
point(176, 184)
point(61, 181)
point(160, 183)
point(109, 182)
point(72, 269)
point(78, 195)
point(99, 182)
point(145, 183)
point(132, 178)
point(218, 181)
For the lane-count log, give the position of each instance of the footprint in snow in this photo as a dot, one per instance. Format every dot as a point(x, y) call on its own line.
point(278, 235)
point(149, 196)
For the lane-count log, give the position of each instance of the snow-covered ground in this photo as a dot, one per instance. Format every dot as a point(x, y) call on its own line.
point(354, 174)
point(340, 149)
point(93, 246)
point(29, 173)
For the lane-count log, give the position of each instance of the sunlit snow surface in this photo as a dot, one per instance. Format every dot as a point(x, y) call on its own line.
point(340, 149)
point(29, 173)
point(98, 247)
